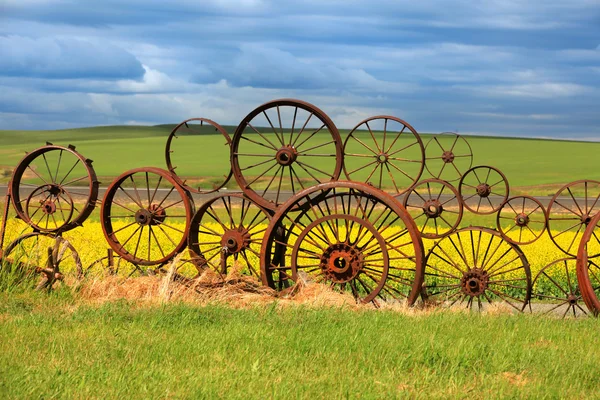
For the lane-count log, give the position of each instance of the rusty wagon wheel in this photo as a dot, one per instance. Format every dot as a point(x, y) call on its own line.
point(569, 213)
point(230, 227)
point(352, 236)
point(436, 205)
point(284, 146)
point(54, 188)
point(521, 220)
point(194, 128)
point(447, 156)
point(482, 187)
point(476, 265)
point(45, 255)
point(394, 161)
point(146, 216)
point(556, 286)
point(111, 265)
point(588, 268)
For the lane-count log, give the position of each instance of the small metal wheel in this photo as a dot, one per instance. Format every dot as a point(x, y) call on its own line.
point(521, 220)
point(182, 146)
point(570, 212)
point(228, 227)
point(556, 289)
point(447, 156)
point(483, 190)
point(54, 188)
point(588, 268)
point(111, 265)
point(477, 266)
point(354, 237)
point(146, 215)
point(284, 146)
point(42, 255)
point(385, 152)
point(435, 205)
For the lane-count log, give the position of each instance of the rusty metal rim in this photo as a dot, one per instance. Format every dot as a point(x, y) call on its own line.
point(385, 198)
point(457, 138)
point(237, 172)
point(454, 192)
point(583, 278)
point(90, 202)
point(169, 162)
point(504, 234)
point(505, 195)
point(412, 131)
point(495, 233)
point(553, 201)
point(107, 223)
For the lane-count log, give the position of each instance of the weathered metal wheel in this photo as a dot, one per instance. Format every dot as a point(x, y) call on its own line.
point(588, 268)
point(111, 265)
point(228, 227)
point(399, 151)
point(555, 286)
point(193, 129)
point(482, 187)
point(436, 205)
point(447, 156)
point(476, 265)
point(284, 145)
point(146, 216)
point(54, 188)
point(352, 236)
point(569, 213)
point(45, 255)
point(521, 220)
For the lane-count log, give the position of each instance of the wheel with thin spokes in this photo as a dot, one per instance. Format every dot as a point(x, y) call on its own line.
point(284, 146)
point(146, 216)
point(447, 156)
point(435, 206)
point(227, 232)
point(476, 267)
point(351, 236)
point(54, 188)
point(521, 220)
point(385, 152)
point(569, 213)
point(483, 189)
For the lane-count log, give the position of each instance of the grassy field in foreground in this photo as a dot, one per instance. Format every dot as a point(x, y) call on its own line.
point(533, 166)
point(52, 346)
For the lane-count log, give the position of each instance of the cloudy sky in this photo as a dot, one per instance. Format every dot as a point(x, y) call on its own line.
point(519, 68)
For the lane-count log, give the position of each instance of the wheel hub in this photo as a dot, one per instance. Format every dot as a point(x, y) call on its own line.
point(484, 190)
point(572, 299)
point(48, 206)
point(586, 219)
point(341, 262)
point(235, 240)
point(474, 282)
point(433, 208)
point(382, 158)
point(448, 157)
point(522, 219)
point(154, 215)
point(286, 155)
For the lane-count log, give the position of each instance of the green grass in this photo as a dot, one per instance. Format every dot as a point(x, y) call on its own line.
point(51, 346)
point(532, 166)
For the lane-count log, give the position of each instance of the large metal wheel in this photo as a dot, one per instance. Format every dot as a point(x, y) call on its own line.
point(435, 206)
point(45, 257)
point(385, 152)
point(483, 190)
point(521, 220)
point(352, 236)
point(284, 146)
point(588, 268)
point(475, 267)
point(146, 216)
point(569, 213)
point(556, 289)
point(228, 227)
point(54, 188)
point(447, 156)
point(183, 146)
